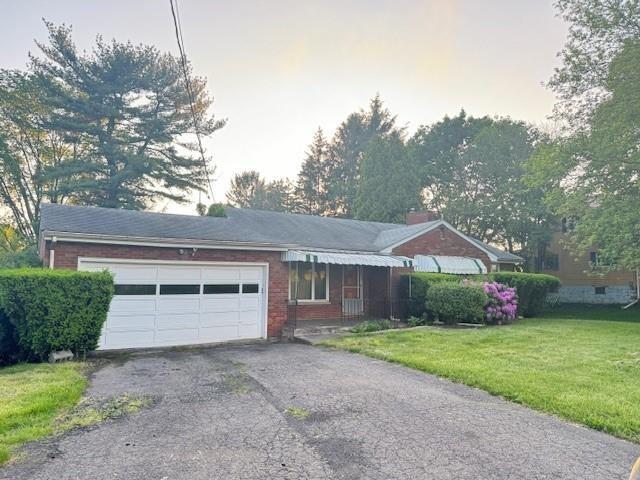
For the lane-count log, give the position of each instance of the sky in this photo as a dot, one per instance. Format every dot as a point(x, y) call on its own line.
point(279, 69)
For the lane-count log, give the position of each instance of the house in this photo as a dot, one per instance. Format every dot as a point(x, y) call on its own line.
point(182, 279)
point(584, 278)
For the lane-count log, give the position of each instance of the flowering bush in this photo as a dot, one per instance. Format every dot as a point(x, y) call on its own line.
point(502, 304)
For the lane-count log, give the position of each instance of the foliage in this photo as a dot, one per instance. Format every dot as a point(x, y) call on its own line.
point(249, 190)
point(216, 210)
point(372, 326)
point(532, 289)
point(312, 188)
point(595, 175)
point(414, 286)
point(472, 170)
point(456, 302)
point(9, 350)
point(414, 321)
point(32, 396)
point(502, 303)
point(597, 32)
point(584, 371)
point(55, 309)
point(388, 187)
point(348, 146)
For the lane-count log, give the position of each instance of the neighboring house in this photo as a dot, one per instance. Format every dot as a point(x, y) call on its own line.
point(184, 279)
point(584, 278)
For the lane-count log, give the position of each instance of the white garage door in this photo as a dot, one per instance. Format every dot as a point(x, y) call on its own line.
point(173, 304)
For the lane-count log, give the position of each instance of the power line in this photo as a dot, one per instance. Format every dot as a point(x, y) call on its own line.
point(187, 81)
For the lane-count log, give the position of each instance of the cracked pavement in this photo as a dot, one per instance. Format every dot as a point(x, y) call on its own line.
point(222, 412)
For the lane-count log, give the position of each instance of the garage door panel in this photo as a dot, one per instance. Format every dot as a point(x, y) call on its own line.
point(177, 336)
point(221, 275)
point(213, 305)
point(178, 304)
point(129, 339)
point(171, 316)
point(179, 275)
point(179, 320)
point(221, 333)
point(219, 319)
point(132, 305)
point(131, 322)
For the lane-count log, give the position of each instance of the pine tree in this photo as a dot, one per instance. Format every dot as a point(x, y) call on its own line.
point(247, 190)
point(311, 189)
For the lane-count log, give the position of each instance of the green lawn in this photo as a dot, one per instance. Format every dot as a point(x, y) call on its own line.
point(579, 363)
point(32, 396)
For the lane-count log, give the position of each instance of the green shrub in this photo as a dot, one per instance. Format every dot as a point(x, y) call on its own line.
point(457, 302)
point(9, 350)
point(55, 309)
point(372, 326)
point(20, 259)
point(417, 321)
point(414, 286)
point(532, 289)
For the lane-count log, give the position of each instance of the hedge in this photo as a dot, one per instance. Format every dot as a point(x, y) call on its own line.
point(414, 286)
point(457, 302)
point(532, 289)
point(52, 310)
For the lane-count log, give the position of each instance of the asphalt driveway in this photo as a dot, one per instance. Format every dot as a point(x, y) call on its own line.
point(291, 411)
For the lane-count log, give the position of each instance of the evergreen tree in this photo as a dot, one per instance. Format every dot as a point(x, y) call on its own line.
point(389, 186)
point(312, 190)
point(247, 190)
point(347, 150)
point(128, 108)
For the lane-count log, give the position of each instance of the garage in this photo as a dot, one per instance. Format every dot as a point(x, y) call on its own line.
point(169, 304)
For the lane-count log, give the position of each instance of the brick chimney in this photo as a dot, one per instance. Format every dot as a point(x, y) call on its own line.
point(422, 216)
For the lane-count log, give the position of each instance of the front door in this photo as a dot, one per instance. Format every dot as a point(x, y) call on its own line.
point(352, 290)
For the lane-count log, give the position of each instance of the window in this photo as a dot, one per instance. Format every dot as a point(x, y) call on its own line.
point(249, 288)
point(308, 281)
point(179, 289)
point(551, 261)
point(601, 290)
point(131, 289)
point(221, 289)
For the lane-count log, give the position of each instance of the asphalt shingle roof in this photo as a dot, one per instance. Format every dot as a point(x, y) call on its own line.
point(240, 225)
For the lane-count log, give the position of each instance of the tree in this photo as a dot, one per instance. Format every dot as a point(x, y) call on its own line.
point(389, 186)
point(349, 143)
point(249, 190)
point(28, 155)
point(129, 109)
point(594, 175)
point(473, 174)
point(597, 32)
point(312, 194)
point(246, 190)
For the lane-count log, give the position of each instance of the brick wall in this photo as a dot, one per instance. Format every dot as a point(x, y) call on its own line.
point(67, 253)
point(333, 309)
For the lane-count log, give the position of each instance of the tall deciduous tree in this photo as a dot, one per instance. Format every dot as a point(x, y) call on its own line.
point(595, 175)
point(597, 31)
point(389, 186)
point(129, 108)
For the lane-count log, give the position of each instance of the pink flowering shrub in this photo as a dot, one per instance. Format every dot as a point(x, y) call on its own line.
point(503, 303)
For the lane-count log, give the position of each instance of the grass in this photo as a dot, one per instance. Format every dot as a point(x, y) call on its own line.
point(296, 412)
point(32, 396)
point(579, 363)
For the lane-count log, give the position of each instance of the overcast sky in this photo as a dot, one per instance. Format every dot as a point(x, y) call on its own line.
point(278, 69)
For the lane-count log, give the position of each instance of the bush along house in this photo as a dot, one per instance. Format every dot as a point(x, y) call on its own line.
point(182, 279)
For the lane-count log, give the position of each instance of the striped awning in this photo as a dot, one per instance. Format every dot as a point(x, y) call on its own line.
point(447, 264)
point(372, 259)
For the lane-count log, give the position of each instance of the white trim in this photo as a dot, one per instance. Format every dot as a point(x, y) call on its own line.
point(52, 257)
point(159, 242)
point(263, 265)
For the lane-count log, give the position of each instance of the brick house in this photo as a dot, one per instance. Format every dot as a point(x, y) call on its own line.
point(183, 279)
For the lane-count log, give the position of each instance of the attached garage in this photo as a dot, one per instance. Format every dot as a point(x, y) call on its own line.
point(170, 303)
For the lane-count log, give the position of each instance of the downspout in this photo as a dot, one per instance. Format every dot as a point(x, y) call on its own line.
point(52, 252)
point(637, 290)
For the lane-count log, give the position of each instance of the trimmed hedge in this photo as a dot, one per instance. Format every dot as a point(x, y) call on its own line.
point(417, 290)
point(54, 309)
point(457, 302)
point(532, 289)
